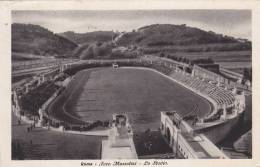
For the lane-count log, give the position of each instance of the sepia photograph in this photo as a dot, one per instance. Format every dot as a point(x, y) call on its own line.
point(131, 84)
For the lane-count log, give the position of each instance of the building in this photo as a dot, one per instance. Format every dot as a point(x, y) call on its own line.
point(184, 141)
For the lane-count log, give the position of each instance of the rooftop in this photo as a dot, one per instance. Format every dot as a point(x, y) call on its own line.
point(195, 143)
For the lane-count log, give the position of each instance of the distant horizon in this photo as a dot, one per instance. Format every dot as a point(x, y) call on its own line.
point(235, 23)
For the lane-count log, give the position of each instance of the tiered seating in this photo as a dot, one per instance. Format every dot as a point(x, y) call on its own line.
point(214, 117)
point(33, 100)
point(61, 77)
point(162, 69)
point(223, 97)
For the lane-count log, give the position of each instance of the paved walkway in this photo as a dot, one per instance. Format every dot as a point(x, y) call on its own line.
point(86, 133)
point(28, 122)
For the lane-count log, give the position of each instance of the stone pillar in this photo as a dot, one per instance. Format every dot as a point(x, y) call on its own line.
point(201, 120)
point(224, 115)
point(26, 88)
point(175, 139)
point(61, 69)
point(39, 81)
point(40, 112)
point(204, 76)
point(183, 69)
point(234, 91)
point(193, 72)
point(218, 84)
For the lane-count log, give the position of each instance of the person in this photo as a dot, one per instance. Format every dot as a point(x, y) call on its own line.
point(19, 122)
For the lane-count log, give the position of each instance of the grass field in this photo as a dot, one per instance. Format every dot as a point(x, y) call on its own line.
point(142, 94)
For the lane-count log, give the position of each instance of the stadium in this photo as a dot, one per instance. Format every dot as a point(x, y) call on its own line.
point(162, 91)
point(88, 93)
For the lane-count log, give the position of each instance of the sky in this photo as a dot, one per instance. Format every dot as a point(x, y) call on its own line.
point(236, 23)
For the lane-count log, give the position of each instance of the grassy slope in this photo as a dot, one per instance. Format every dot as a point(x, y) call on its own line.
point(178, 37)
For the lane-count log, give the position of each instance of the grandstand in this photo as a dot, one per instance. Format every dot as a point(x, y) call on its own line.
point(47, 91)
point(224, 99)
point(34, 99)
point(220, 94)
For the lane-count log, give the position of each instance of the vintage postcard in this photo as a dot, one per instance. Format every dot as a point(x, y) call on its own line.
point(130, 83)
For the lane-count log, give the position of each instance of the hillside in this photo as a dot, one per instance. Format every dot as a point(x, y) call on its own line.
point(90, 37)
point(181, 38)
point(94, 51)
point(36, 40)
point(32, 40)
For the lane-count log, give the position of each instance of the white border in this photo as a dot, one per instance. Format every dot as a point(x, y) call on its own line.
point(5, 66)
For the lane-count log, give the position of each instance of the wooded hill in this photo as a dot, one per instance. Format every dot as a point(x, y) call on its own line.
point(36, 40)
